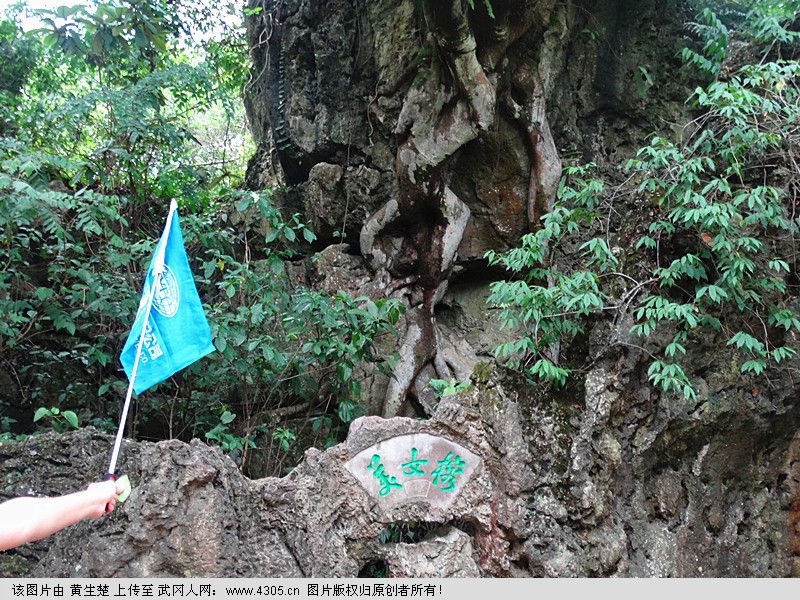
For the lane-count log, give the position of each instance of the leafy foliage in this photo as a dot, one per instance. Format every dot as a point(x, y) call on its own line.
point(282, 347)
point(116, 90)
point(17, 59)
point(721, 246)
point(70, 283)
point(548, 304)
point(714, 34)
point(442, 388)
point(59, 420)
point(118, 108)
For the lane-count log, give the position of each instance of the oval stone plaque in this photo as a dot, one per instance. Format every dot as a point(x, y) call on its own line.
point(417, 467)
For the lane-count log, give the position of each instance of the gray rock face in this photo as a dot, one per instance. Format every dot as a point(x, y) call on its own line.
point(605, 478)
point(616, 484)
point(340, 86)
point(619, 479)
point(193, 514)
point(423, 136)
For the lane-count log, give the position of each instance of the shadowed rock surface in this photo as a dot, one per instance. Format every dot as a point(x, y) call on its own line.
point(620, 488)
point(193, 514)
point(605, 478)
point(417, 137)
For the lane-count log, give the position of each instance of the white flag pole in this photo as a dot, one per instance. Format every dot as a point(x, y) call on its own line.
point(158, 269)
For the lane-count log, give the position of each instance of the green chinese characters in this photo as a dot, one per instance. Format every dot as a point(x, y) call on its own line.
point(387, 482)
point(444, 476)
point(414, 466)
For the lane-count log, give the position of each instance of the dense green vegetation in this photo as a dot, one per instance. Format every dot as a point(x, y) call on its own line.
point(710, 222)
point(106, 114)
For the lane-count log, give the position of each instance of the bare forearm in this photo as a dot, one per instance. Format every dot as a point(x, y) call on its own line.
point(28, 519)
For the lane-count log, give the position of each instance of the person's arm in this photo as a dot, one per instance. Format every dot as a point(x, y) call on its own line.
point(28, 519)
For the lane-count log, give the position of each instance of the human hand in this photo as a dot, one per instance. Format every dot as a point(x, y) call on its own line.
point(102, 497)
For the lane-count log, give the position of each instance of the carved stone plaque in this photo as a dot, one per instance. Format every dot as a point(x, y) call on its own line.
point(414, 468)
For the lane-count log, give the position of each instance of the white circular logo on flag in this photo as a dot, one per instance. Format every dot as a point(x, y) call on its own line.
point(167, 298)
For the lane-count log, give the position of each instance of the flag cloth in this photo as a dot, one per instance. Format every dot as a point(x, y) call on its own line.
point(177, 333)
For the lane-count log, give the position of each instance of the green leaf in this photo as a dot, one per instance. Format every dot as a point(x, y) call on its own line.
point(646, 241)
point(779, 265)
point(243, 203)
point(343, 372)
point(715, 293)
point(673, 349)
point(746, 341)
point(71, 418)
point(783, 352)
point(346, 411)
point(754, 366)
point(43, 293)
point(64, 322)
point(547, 371)
point(41, 412)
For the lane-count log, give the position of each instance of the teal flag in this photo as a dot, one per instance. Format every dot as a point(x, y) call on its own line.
point(176, 333)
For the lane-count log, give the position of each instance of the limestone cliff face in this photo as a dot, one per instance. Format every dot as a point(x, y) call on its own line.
point(621, 488)
point(193, 514)
point(413, 140)
point(423, 137)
